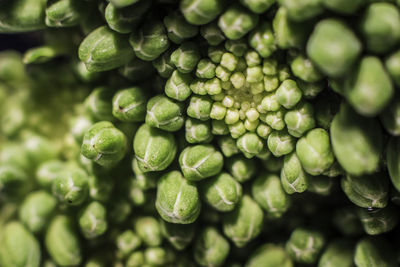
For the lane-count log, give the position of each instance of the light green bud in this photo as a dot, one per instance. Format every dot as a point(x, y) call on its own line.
point(379, 221)
point(275, 119)
point(369, 88)
point(36, 210)
point(374, 251)
point(48, 171)
point(238, 48)
point(125, 19)
point(333, 47)
point(228, 146)
point(183, 209)
point(98, 104)
point(244, 223)
point(211, 248)
point(280, 143)
point(129, 105)
point(288, 94)
point(200, 107)
point(186, 57)
point(215, 53)
point(304, 10)
point(269, 255)
point(149, 230)
point(268, 192)
point(150, 41)
point(236, 15)
point(201, 12)
point(250, 144)
point(262, 39)
point(380, 27)
point(22, 16)
point(178, 235)
point(158, 256)
point(164, 113)
point(39, 149)
point(163, 64)
point(205, 69)
point(241, 168)
point(315, 152)
point(92, 220)
point(338, 253)
point(178, 86)
point(104, 49)
point(300, 119)
point(178, 28)
point(293, 178)
point(127, 242)
point(64, 13)
point(200, 161)
point(304, 69)
point(154, 149)
point(221, 192)
point(212, 33)
point(104, 144)
point(288, 33)
point(367, 191)
point(19, 248)
point(71, 186)
point(356, 141)
point(62, 242)
point(136, 259)
point(304, 245)
point(197, 131)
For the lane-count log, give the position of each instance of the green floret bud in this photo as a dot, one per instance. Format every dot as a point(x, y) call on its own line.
point(236, 22)
point(178, 86)
point(213, 87)
point(367, 191)
point(257, 6)
point(236, 47)
point(300, 119)
point(186, 57)
point(197, 131)
point(263, 130)
point(136, 259)
point(215, 53)
point(268, 192)
point(379, 221)
point(229, 61)
point(369, 88)
point(154, 149)
point(198, 86)
point(222, 73)
point(250, 144)
point(159, 256)
point(93, 221)
point(127, 242)
point(281, 143)
point(237, 129)
point(380, 27)
point(71, 186)
point(178, 235)
point(200, 107)
point(104, 144)
point(228, 146)
point(178, 28)
point(269, 255)
point(288, 94)
point(288, 33)
point(244, 223)
point(270, 103)
point(304, 245)
point(356, 141)
point(183, 209)
point(219, 128)
point(218, 111)
point(221, 192)
point(164, 113)
point(18, 246)
point(200, 161)
point(98, 104)
point(293, 178)
point(150, 41)
point(64, 13)
point(48, 171)
point(374, 251)
point(163, 64)
point(129, 105)
point(338, 253)
point(205, 69)
point(304, 10)
point(36, 210)
point(254, 74)
point(62, 241)
point(304, 69)
point(333, 47)
point(211, 248)
point(149, 231)
point(212, 33)
point(104, 49)
point(262, 40)
point(342, 6)
point(315, 152)
point(252, 58)
point(201, 12)
point(275, 119)
point(125, 19)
